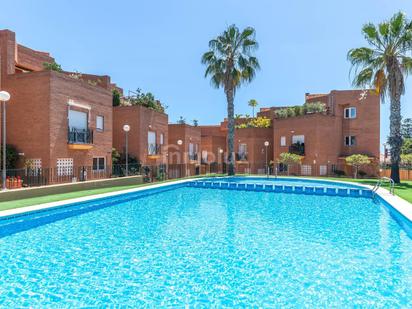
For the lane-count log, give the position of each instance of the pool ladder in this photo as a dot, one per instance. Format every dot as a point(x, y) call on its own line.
point(379, 184)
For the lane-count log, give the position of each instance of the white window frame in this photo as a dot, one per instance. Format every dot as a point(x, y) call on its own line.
point(349, 142)
point(76, 120)
point(243, 146)
point(204, 155)
point(347, 113)
point(323, 170)
point(298, 139)
point(161, 139)
point(100, 129)
point(283, 141)
point(98, 169)
point(151, 151)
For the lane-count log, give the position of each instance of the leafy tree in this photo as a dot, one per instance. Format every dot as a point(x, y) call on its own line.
point(406, 128)
point(230, 63)
point(357, 161)
point(406, 159)
point(406, 146)
point(384, 66)
point(253, 103)
point(259, 122)
point(288, 158)
point(195, 122)
point(12, 156)
point(52, 66)
point(116, 97)
point(144, 99)
point(115, 156)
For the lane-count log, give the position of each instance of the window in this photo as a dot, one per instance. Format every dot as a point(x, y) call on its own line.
point(161, 139)
point(99, 164)
point(204, 156)
point(350, 140)
point(151, 142)
point(350, 112)
point(65, 167)
point(306, 170)
point(323, 170)
point(77, 120)
point(283, 141)
point(193, 151)
point(242, 154)
point(298, 139)
point(99, 123)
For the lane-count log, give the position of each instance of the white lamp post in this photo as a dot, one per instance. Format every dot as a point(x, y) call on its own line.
point(126, 129)
point(266, 151)
point(4, 97)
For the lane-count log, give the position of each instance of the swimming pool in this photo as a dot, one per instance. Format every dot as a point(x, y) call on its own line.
point(288, 181)
point(208, 247)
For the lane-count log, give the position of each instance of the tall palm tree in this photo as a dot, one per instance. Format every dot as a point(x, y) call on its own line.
point(230, 63)
point(253, 103)
point(384, 66)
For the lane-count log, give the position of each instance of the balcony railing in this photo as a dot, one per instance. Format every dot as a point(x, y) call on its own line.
point(297, 148)
point(241, 156)
point(79, 136)
point(154, 150)
point(193, 156)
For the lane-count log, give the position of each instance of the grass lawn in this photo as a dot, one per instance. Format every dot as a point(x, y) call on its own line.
point(66, 196)
point(404, 190)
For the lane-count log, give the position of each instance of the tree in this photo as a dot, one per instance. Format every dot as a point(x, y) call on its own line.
point(357, 160)
point(253, 103)
point(230, 63)
point(288, 158)
point(52, 66)
point(116, 97)
point(384, 66)
point(406, 128)
point(12, 156)
point(406, 159)
point(406, 146)
point(195, 122)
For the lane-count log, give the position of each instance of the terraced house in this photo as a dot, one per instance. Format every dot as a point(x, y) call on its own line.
point(323, 131)
point(57, 120)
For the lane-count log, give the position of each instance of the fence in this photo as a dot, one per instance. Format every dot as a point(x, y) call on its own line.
point(31, 177)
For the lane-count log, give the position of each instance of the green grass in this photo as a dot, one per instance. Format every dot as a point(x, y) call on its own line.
point(403, 190)
point(66, 196)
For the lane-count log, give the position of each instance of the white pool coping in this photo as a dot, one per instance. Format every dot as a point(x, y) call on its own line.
point(401, 205)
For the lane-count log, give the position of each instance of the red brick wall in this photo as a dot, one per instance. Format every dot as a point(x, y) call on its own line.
point(186, 133)
point(141, 121)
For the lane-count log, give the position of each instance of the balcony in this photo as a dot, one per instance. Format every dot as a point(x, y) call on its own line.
point(297, 148)
point(79, 139)
point(241, 156)
point(154, 151)
point(193, 157)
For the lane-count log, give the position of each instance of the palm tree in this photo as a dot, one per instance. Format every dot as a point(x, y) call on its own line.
point(384, 66)
point(253, 103)
point(230, 63)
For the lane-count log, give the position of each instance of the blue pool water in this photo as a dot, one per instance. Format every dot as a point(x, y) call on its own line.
point(288, 181)
point(212, 247)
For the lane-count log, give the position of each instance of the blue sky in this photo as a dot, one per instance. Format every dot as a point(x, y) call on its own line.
point(157, 45)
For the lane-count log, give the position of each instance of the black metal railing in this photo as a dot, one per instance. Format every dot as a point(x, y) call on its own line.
point(297, 148)
point(241, 156)
point(193, 156)
point(79, 136)
point(154, 149)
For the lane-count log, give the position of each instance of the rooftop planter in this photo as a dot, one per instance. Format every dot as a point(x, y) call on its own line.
point(301, 110)
point(143, 99)
point(258, 122)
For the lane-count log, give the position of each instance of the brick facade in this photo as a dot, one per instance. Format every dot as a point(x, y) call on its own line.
point(38, 111)
point(141, 120)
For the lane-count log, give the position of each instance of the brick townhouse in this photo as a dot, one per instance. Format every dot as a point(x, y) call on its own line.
point(58, 120)
point(148, 135)
point(350, 124)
